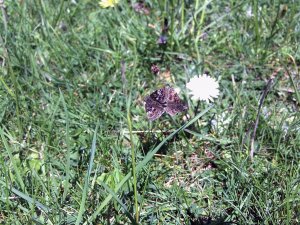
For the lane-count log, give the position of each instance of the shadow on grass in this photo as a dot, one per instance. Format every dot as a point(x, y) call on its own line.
point(195, 220)
point(150, 140)
point(209, 221)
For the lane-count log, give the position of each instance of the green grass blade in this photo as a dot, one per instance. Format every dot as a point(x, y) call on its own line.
point(221, 141)
point(7, 88)
point(145, 161)
point(68, 165)
point(133, 160)
point(16, 168)
point(113, 194)
point(28, 198)
point(87, 177)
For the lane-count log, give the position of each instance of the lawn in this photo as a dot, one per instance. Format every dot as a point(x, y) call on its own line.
point(150, 112)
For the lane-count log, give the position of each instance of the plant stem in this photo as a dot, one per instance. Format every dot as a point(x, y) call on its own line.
point(133, 162)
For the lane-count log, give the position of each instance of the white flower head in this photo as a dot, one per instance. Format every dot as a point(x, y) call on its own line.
point(203, 87)
point(249, 13)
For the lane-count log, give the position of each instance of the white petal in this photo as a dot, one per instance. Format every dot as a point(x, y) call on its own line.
point(203, 88)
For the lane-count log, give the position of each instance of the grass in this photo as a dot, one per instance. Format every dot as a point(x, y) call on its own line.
point(77, 148)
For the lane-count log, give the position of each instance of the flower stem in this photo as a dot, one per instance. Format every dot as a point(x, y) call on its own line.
point(133, 160)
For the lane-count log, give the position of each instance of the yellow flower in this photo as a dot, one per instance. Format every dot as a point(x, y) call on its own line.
point(108, 3)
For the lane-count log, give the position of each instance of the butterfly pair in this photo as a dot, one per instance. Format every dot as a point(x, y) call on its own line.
point(163, 100)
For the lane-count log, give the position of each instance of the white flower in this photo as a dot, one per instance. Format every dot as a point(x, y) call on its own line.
point(203, 88)
point(249, 13)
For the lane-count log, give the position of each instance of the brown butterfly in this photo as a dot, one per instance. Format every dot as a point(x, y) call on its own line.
point(163, 100)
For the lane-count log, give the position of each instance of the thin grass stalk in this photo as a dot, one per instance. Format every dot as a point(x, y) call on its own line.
point(273, 32)
point(17, 98)
point(199, 29)
point(2, 43)
point(290, 29)
point(194, 19)
point(17, 171)
point(4, 173)
point(291, 193)
point(4, 15)
point(261, 101)
point(182, 15)
point(165, 9)
point(203, 13)
point(9, 91)
point(51, 122)
point(43, 17)
point(133, 161)
point(57, 18)
point(291, 78)
point(87, 177)
point(11, 72)
point(68, 163)
point(256, 25)
point(173, 13)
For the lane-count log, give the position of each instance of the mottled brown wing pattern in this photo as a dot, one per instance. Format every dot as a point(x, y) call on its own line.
point(163, 100)
point(160, 95)
point(174, 103)
point(154, 109)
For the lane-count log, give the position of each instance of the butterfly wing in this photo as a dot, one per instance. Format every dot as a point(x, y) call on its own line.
point(154, 109)
point(173, 109)
point(160, 95)
point(174, 103)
